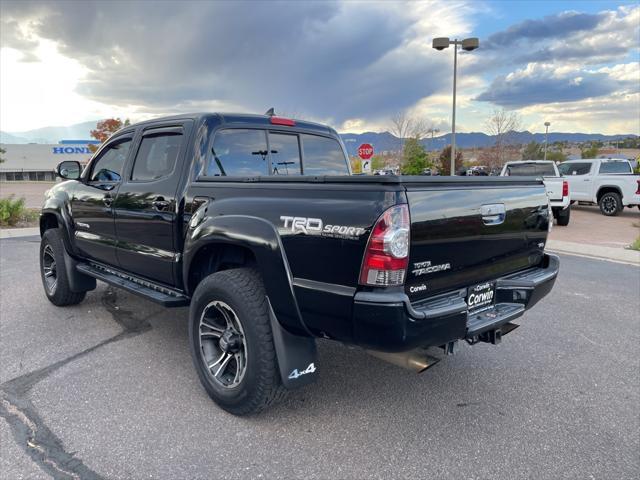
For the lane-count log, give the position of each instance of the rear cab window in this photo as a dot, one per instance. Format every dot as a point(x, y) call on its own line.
point(615, 167)
point(285, 154)
point(238, 153)
point(530, 169)
point(323, 156)
point(246, 152)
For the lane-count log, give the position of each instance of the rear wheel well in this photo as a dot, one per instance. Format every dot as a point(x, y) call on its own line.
point(604, 190)
point(47, 222)
point(217, 257)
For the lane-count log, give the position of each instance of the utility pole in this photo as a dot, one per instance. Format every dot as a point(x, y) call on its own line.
point(546, 142)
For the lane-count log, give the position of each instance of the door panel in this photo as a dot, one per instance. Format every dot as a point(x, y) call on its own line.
point(92, 203)
point(146, 208)
point(580, 181)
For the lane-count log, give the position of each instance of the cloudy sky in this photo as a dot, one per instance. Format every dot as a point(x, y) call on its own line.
point(352, 64)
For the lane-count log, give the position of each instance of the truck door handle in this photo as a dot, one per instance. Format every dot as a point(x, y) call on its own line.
point(493, 214)
point(160, 203)
point(107, 200)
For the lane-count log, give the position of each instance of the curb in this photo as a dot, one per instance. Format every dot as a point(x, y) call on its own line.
point(620, 255)
point(19, 232)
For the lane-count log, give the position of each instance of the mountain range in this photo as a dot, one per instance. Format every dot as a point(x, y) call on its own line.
point(386, 141)
point(383, 141)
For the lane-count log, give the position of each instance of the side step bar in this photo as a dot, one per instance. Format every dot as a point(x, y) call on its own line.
point(149, 290)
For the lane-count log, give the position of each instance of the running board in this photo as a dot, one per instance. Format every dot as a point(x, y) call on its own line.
point(136, 285)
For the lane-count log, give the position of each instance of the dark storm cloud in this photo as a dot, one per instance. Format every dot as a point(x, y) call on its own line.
point(553, 26)
point(567, 36)
point(333, 60)
point(540, 85)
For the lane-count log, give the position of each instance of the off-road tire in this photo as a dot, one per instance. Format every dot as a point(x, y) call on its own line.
point(61, 294)
point(607, 200)
point(242, 290)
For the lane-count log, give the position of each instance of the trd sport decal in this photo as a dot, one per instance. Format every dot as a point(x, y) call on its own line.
point(315, 226)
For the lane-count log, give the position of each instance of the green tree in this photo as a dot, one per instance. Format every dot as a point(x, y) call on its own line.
point(533, 151)
point(445, 161)
point(2, 152)
point(377, 163)
point(556, 156)
point(414, 158)
point(590, 151)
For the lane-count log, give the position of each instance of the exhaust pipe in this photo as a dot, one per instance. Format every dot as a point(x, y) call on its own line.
point(416, 360)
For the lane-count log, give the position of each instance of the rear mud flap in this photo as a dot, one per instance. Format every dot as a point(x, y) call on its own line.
point(297, 356)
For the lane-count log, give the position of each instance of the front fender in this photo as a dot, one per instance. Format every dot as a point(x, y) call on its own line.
point(56, 202)
point(262, 238)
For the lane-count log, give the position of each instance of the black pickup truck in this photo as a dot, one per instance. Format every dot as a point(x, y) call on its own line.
point(256, 223)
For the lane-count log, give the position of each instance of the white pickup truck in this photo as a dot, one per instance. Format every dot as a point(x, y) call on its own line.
point(556, 186)
point(609, 183)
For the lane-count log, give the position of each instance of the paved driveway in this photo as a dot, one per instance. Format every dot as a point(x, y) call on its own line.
point(588, 226)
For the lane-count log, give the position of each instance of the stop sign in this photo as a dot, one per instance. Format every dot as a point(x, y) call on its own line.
point(365, 151)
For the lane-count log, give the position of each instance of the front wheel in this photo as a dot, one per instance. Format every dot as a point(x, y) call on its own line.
point(232, 343)
point(53, 273)
point(610, 204)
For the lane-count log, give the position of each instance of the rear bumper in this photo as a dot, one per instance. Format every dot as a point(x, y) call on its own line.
point(560, 204)
point(389, 322)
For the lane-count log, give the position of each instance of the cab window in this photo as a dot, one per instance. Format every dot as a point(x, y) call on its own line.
point(615, 167)
point(323, 156)
point(530, 169)
point(577, 168)
point(285, 154)
point(156, 156)
point(238, 152)
point(108, 168)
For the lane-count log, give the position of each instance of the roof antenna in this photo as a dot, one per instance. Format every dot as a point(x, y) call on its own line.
point(270, 112)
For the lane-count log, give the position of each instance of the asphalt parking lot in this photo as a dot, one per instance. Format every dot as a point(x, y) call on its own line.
point(106, 389)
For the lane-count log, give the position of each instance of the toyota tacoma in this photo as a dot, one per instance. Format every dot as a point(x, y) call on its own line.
point(256, 223)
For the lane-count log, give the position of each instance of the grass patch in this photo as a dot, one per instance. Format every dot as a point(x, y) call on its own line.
point(13, 213)
point(635, 245)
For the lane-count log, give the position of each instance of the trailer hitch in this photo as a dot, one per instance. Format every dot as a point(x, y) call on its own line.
point(494, 337)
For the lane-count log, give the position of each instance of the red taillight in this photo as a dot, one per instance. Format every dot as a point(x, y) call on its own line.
point(638, 191)
point(283, 121)
point(387, 255)
point(565, 188)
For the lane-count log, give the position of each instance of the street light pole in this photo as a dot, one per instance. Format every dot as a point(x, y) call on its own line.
point(453, 115)
point(468, 44)
point(546, 141)
point(432, 131)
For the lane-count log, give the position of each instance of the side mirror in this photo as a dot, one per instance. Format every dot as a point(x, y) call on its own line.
point(69, 170)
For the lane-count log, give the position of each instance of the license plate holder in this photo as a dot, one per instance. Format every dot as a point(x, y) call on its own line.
point(481, 296)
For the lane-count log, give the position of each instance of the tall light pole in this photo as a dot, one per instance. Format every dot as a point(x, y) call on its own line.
point(468, 44)
point(432, 131)
point(546, 142)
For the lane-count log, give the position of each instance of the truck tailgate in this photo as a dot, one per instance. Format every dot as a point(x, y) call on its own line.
point(467, 232)
point(554, 188)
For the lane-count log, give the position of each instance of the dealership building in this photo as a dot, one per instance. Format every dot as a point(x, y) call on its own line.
point(38, 161)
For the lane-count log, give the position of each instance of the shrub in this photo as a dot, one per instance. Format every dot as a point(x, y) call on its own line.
point(11, 210)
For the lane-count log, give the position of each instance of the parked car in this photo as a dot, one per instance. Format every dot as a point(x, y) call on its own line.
point(255, 223)
point(609, 183)
point(557, 186)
